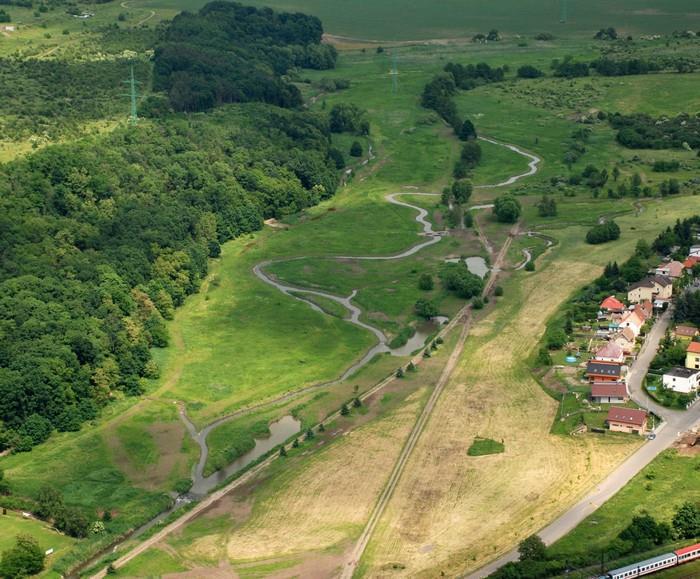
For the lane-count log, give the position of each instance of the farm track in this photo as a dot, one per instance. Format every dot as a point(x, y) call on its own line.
point(462, 317)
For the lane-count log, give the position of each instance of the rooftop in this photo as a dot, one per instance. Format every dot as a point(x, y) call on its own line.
point(651, 281)
point(630, 416)
point(681, 372)
point(688, 331)
point(617, 389)
point(694, 347)
point(610, 350)
point(612, 303)
point(603, 369)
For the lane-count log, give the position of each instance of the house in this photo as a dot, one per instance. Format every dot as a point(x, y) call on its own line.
point(684, 380)
point(626, 340)
point(629, 420)
point(645, 309)
point(694, 251)
point(685, 332)
point(612, 305)
point(603, 371)
point(610, 352)
point(692, 356)
point(609, 393)
point(691, 261)
point(673, 269)
point(651, 288)
point(633, 321)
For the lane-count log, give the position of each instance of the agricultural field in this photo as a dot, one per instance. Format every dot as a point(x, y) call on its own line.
point(240, 348)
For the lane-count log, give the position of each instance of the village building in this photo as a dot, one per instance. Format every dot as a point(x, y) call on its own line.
point(652, 288)
point(633, 321)
point(626, 340)
point(673, 269)
point(691, 261)
point(603, 371)
point(612, 305)
point(628, 420)
point(683, 380)
point(692, 356)
point(609, 393)
point(610, 352)
point(685, 332)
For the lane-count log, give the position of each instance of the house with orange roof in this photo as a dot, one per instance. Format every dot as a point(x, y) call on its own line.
point(612, 305)
point(691, 261)
point(692, 356)
point(644, 309)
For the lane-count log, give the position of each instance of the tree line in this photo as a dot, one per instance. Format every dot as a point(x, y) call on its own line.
point(642, 131)
point(232, 53)
point(103, 238)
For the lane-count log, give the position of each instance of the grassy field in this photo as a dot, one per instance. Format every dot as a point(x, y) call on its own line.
point(239, 342)
point(658, 490)
point(306, 509)
point(421, 19)
point(14, 524)
point(539, 474)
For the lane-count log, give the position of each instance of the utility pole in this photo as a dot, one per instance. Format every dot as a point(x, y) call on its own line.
point(394, 74)
point(132, 82)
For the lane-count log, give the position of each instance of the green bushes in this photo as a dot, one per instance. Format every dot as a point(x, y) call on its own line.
point(507, 209)
point(603, 233)
point(455, 277)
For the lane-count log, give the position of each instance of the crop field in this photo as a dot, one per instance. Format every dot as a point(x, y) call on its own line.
point(421, 19)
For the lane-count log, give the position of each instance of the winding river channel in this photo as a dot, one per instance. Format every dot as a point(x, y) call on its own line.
point(287, 426)
point(203, 485)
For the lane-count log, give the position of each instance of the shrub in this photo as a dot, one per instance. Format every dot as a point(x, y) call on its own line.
point(507, 209)
point(603, 232)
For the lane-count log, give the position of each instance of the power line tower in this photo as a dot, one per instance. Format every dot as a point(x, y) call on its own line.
point(132, 82)
point(394, 74)
point(563, 9)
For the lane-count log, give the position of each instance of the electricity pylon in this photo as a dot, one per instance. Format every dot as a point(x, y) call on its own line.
point(394, 74)
point(132, 82)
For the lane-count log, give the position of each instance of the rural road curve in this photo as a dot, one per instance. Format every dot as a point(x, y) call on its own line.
point(258, 270)
point(675, 422)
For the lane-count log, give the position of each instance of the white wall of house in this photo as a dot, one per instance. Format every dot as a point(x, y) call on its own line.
point(679, 384)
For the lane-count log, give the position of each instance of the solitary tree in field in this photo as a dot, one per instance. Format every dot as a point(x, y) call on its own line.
point(344, 410)
point(532, 549)
point(425, 282)
point(357, 402)
point(399, 373)
point(356, 149)
point(507, 209)
point(411, 367)
point(283, 452)
point(295, 444)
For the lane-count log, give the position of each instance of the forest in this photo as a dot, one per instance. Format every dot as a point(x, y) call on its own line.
point(233, 53)
point(640, 131)
point(105, 237)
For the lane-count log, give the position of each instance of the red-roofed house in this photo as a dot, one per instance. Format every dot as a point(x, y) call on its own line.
point(672, 269)
point(644, 309)
point(629, 420)
point(692, 356)
point(610, 352)
point(609, 393)
point(613, 305)
point(691, 261)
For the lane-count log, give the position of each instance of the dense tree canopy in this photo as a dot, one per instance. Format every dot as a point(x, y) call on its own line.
point(641, 131)
point(233, 53)
point(103, 238)
point(507, 208)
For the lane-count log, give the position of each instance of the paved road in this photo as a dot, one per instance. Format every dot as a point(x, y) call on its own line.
point(675, 422)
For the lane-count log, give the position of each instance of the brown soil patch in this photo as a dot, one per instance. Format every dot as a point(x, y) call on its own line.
point(688, 444)
point(167, 438)
point(223, 571)
point(238, 508)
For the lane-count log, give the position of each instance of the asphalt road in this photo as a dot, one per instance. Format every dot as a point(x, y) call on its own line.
point(675, 423)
